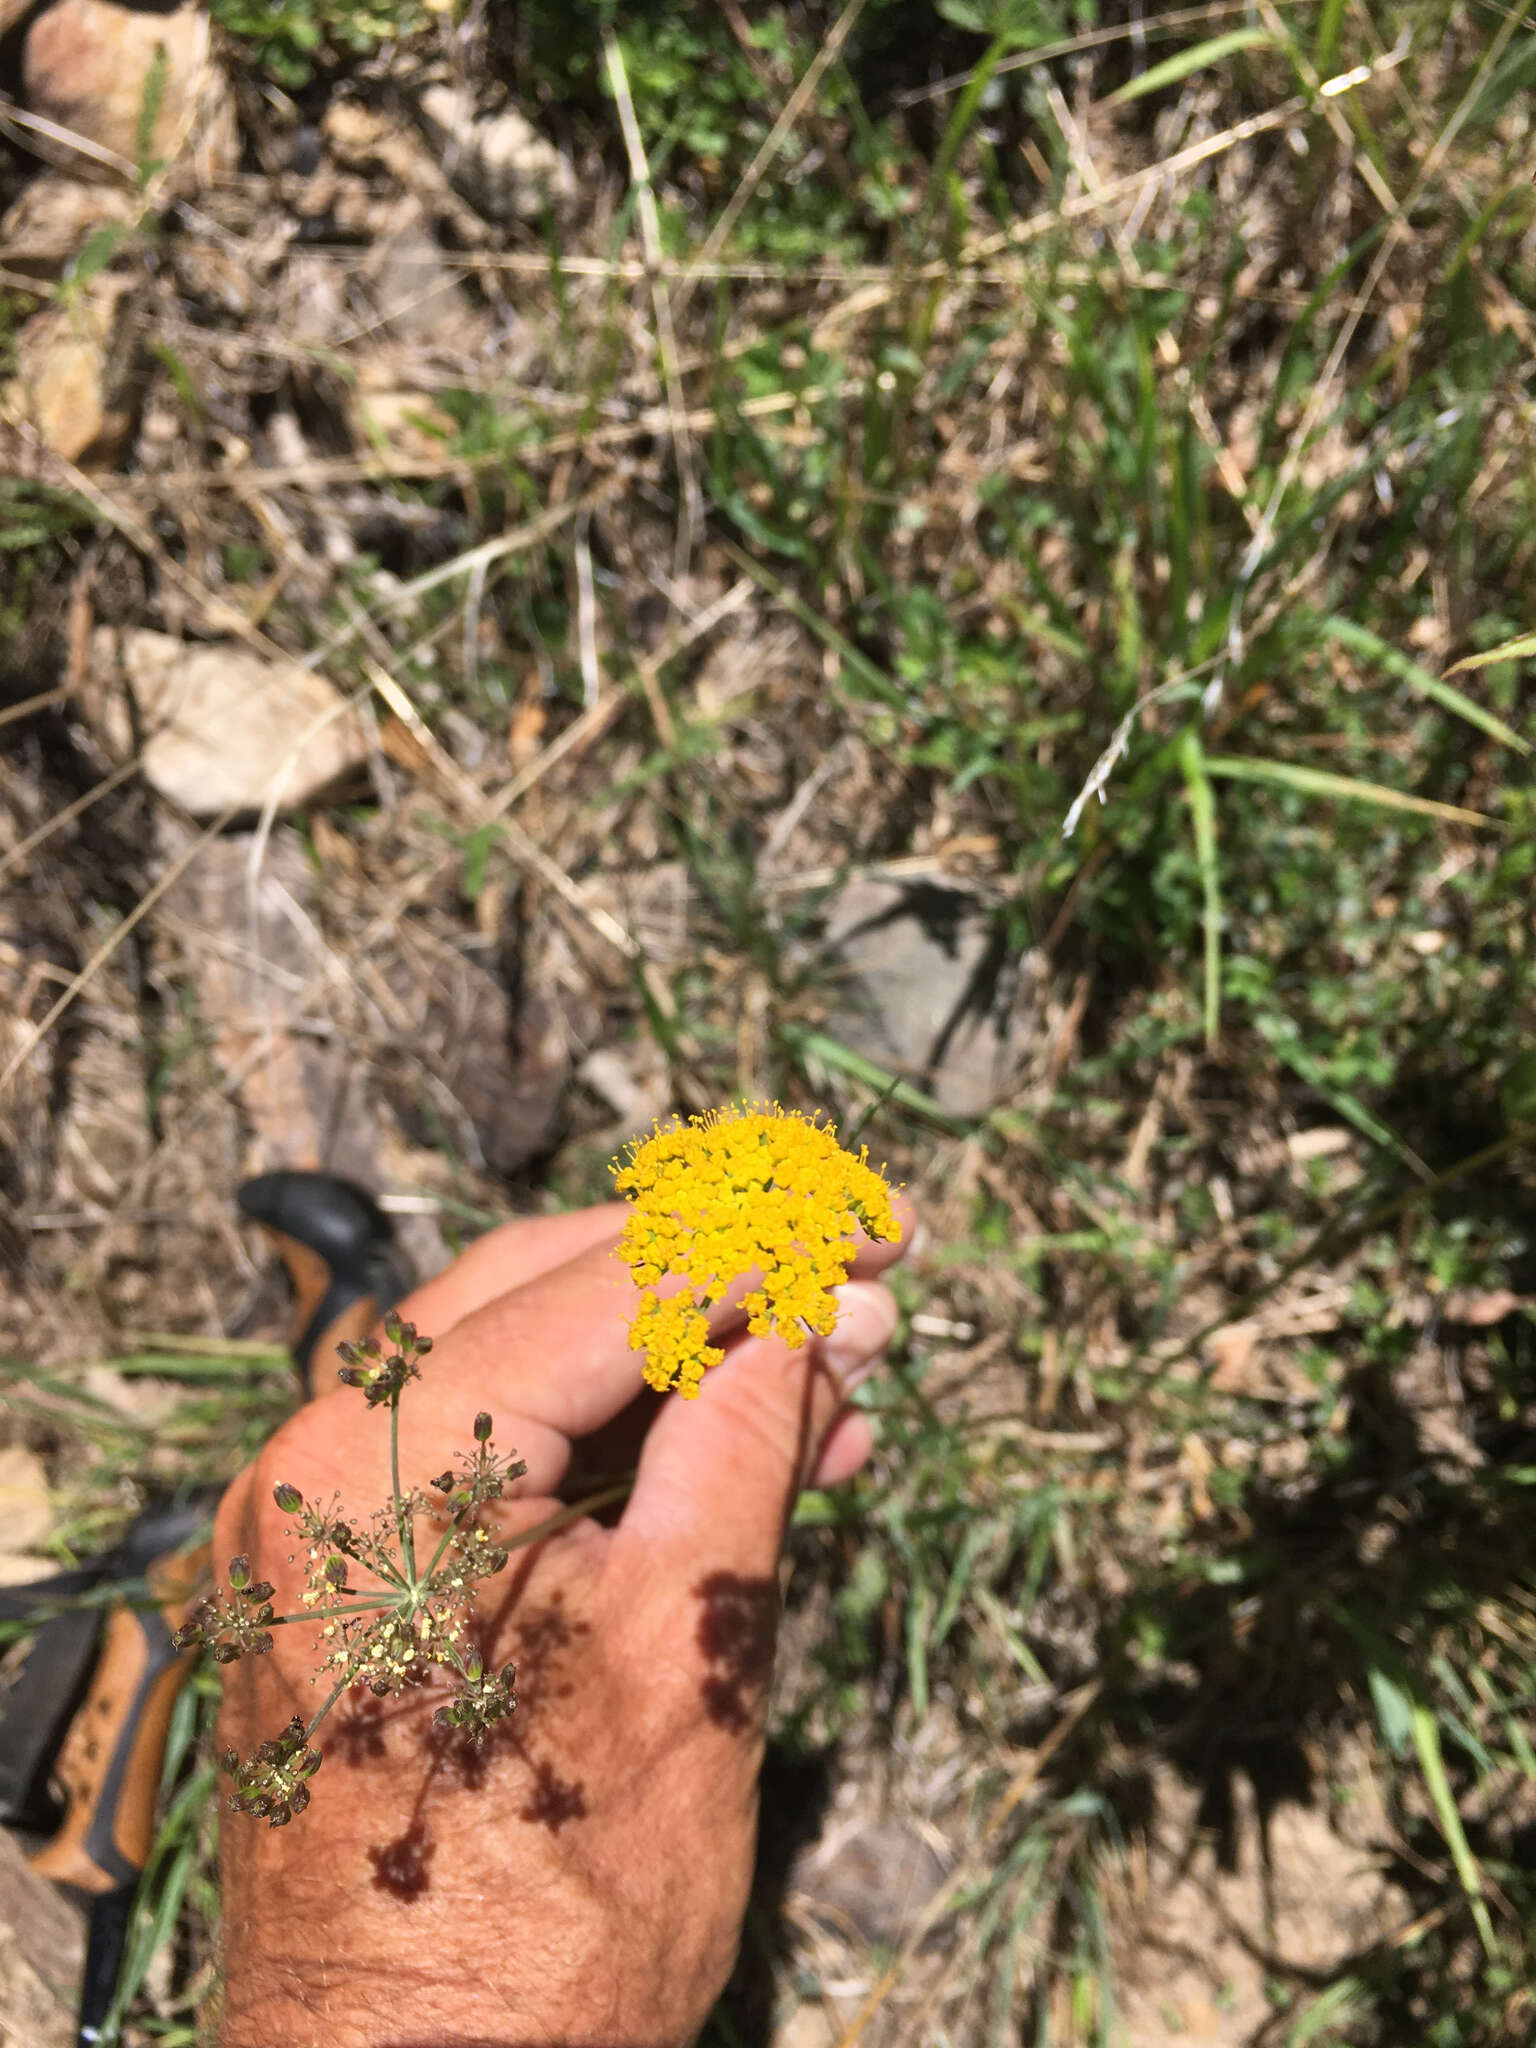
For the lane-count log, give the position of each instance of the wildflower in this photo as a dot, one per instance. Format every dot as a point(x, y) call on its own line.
point(757, 1187)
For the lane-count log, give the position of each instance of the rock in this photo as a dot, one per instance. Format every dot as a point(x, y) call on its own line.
point(499, 162)
point(101, 70)
point(402, 423)
point(920, 987)
point(481, 1058)
point(364, 139)
point(872, 1882)
point(417, 292)
point(25, 1506)
point(223, 728)
point(42, 1955)
point(70, 385)
point(54, 215)
point(302, 1094)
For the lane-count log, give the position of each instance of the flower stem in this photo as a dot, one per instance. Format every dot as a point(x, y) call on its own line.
point(326, 1705)
point(403, 1527)
point(331, 1613)
point(574, 1513)
point(549, 1527)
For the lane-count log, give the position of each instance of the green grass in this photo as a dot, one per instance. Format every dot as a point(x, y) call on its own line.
point(1238, 489)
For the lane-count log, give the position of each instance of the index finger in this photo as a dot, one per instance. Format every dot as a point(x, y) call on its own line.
point(557, 1350)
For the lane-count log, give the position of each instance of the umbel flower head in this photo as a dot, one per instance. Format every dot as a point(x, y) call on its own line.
point(733, 1190)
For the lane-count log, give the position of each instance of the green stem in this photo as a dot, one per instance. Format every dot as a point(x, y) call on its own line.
point(437, 1556)
point(550, 1527)
point(403, 1525)
point(326, 1705)
point(574, 1513)
point(331, 1613)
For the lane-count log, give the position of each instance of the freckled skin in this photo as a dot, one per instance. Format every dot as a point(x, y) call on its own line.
point(581, 1877)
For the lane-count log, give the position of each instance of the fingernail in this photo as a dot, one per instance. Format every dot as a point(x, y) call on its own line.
point(919, 1240)
point(866, 1321)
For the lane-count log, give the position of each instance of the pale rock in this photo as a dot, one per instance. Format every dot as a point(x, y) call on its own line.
point(68, 385)
point(90, 67)
point(499, 162)
point(243, 917)
point(364, 139)
point(418, 295)
point(42, 1955)
point(406, 424)
point(223, 728)
point(54, 216)
point(26, 1510)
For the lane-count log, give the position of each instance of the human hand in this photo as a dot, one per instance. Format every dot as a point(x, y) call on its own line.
point(581, 1877)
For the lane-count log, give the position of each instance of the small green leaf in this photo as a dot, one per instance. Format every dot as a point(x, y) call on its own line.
point(1394, 1712)
point(155, 80)
point(101, 245)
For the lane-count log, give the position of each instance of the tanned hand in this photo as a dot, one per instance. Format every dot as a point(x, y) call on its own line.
point(580, 1877)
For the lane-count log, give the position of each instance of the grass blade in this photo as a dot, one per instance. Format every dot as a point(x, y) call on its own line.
point(1326, 49)
point(1371, 648)
point(1202, 805)
point(1199, 57)
point(1508, 650)
point(1320, 782)
point(819, 1045)
point(1346, 1999)
point(1426, 1740)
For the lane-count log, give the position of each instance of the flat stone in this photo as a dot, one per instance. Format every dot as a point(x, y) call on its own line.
point(248, 934)
point(54, 215)
point(417, 292)
point(918, 983)
point(95, 68)
point(872, 1882)
point(26, 1509)
point(476, 1057)
point(499, 162)
point(42, 1956)
point(66, 390)
point(223, 728)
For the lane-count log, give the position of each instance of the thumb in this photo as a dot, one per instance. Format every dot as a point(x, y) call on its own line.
point(718, 1476)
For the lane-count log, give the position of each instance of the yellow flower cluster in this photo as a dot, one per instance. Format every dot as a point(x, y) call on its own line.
point(737, 1189)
